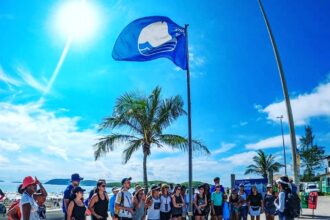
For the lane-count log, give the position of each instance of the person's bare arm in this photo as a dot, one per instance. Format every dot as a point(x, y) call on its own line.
point(69, 211)
point(94, 199)
point(66, 203)
point(26, 209)
point(12, 213)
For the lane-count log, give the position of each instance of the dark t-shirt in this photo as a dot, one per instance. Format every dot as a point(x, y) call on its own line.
point(67, 195)
point(255, 200)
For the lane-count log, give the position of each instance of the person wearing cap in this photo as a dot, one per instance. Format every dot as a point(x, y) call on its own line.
point(28, 203)
point(165, 203)
point(243, 197)
point(200, 202)
point(235, 205)
point(283, 186)
point(123, 201)
point(255, 203)
point(153, 204)
point(76, 208)
point(269, 206)
point(113, 213)
point(139, 203)
point(99, 203)
point(75, 181)
point(177, 203)
point(217, 203)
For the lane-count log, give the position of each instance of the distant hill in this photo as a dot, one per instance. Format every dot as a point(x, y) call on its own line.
point(113, 184)
point(67, 182)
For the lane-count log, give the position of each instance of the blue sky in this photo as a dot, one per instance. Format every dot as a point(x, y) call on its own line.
point(236, 90)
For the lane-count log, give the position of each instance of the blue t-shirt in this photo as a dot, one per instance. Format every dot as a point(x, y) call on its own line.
point(112, 204)
point(67, 194)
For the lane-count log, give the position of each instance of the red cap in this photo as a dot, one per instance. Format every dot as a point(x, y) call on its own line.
point(28, 181)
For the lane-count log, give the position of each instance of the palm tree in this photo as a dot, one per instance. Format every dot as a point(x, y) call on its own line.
point(264, 165)
point(144, 119)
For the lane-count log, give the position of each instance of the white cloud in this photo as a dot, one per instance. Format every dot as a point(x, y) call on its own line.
point(30, 80)
point(8, 146)
point(271, 142)
point(7, 79)
point(3, 160)
point(305, 106)
point(52, 146)
point(224, 147)
point(240, 159)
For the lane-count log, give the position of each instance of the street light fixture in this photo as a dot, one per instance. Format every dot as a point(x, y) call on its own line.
point(281, 118)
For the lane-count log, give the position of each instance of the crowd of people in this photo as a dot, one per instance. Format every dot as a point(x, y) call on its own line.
point(162, 202)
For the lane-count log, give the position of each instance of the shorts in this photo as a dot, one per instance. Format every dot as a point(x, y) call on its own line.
point(177, 216)
point(255, 210)
point(203, 213)
point(218, 210)
point(270, 211)
point(165, 215)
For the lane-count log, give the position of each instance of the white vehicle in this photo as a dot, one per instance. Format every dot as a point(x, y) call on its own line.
point(310, 187)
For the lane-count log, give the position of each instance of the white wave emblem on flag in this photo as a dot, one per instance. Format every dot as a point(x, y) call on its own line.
point(155, 38)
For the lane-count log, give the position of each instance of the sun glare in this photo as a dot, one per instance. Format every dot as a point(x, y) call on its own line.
point(77, 19)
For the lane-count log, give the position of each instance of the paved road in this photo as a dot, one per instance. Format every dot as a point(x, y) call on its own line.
point(321, 213)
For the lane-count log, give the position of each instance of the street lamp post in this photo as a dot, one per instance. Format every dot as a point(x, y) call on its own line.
point(281, 118)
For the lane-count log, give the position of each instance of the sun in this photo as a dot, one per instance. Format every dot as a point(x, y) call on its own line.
point(77, 19)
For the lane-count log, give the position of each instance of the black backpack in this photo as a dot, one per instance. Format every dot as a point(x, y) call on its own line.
point(292, 205)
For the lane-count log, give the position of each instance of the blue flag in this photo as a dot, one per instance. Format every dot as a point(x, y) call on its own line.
point(150, 38)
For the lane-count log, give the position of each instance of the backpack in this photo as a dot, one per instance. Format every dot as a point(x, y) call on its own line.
point(292, 205)
point(3, 209)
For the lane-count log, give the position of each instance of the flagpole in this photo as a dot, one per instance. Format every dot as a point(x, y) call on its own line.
point(286, 96)
point(189, 127)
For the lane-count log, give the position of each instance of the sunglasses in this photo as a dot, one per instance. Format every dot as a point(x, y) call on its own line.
point(103, 186)
point(178, 189)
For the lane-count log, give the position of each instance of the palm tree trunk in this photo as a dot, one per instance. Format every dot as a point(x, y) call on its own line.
point(145, 175)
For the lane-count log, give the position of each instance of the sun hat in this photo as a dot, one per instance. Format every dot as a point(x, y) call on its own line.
point(138, 188)
point(76, 177)
point(165, 186)
point(155, 187)
point(125, 179)
point(78, 189)
point(115, 189)
point(269, 185)
point(27, 181)
point(283, 179)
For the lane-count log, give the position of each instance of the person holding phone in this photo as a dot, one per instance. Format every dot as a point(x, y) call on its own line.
point(177, 203)
point(153, 204)
point(165, 203)
point(200, 202)
point(28, 204)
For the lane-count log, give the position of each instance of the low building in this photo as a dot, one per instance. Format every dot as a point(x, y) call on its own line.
point(325, 178)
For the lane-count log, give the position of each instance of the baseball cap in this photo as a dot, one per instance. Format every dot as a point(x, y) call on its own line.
point(155, 187)
point(125, 179)
point(269, 185)
point(78, 189)
point(76, 177)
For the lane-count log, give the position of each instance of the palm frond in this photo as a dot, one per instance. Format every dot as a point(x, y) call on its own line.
point(134, 145)
point(168, 111)
point(108, 142)
point(181, 143)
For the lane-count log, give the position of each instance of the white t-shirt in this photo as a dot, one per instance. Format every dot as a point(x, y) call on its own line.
point(165, 202)
point(26, 198)
point(243, 195)
point(154, 209)
point(127, 202)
